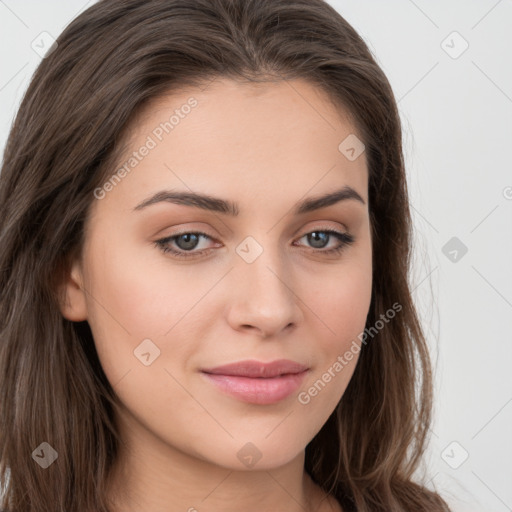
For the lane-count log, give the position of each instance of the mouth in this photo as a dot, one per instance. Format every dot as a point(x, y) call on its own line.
point(256, 382)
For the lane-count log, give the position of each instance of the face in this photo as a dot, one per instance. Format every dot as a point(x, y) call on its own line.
point(173, 285)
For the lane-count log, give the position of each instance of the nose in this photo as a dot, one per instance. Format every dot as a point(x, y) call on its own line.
point(262, 297)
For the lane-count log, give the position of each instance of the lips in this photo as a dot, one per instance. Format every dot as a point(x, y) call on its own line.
point(256, 369)
point(256, 382)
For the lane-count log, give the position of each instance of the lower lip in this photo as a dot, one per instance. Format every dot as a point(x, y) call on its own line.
point(258, 390)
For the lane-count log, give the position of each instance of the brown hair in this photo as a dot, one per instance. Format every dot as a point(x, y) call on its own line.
point(109, 62)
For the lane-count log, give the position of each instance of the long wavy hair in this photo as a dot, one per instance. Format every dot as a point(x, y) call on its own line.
point(108, 63)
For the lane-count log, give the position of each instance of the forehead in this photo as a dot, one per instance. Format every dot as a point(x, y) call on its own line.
point(271, 139)
point(297, 104)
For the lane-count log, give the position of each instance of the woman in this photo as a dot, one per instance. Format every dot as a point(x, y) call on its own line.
point(205, 243)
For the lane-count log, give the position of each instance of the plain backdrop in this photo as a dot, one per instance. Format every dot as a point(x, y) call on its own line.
point(450, 68)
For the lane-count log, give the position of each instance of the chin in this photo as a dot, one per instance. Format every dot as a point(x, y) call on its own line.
point(257, 455)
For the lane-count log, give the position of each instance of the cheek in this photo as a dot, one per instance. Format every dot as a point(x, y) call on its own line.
point(340, 312)
point(144, 298)
point(345, 303)
point(341, 300)
point(131, 299)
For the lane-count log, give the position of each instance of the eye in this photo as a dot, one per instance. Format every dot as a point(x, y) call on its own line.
point(320, 238)
point(185, 242)
point(188, 242)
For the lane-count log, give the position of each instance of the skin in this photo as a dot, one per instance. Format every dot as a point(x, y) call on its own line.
point(265, 147)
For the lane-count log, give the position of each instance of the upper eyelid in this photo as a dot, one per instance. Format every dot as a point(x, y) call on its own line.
point(342, 230)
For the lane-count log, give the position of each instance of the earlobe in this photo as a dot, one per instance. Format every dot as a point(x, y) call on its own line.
point(73, 305)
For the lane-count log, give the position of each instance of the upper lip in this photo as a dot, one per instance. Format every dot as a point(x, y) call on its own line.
point(257, 369)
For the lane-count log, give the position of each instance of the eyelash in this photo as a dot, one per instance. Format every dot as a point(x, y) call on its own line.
point(345, 240)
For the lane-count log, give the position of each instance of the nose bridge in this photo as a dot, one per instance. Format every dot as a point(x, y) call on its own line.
point(262, 264)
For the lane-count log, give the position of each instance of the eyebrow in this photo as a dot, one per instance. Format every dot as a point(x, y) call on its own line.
point(215, 204)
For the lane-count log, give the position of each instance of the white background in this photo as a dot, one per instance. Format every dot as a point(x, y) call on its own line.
point(457, 120)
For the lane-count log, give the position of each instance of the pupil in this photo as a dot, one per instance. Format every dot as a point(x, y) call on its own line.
point(318, 236)
point(190, 239)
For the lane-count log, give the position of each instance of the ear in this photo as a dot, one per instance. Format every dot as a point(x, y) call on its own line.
point(73, 305)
